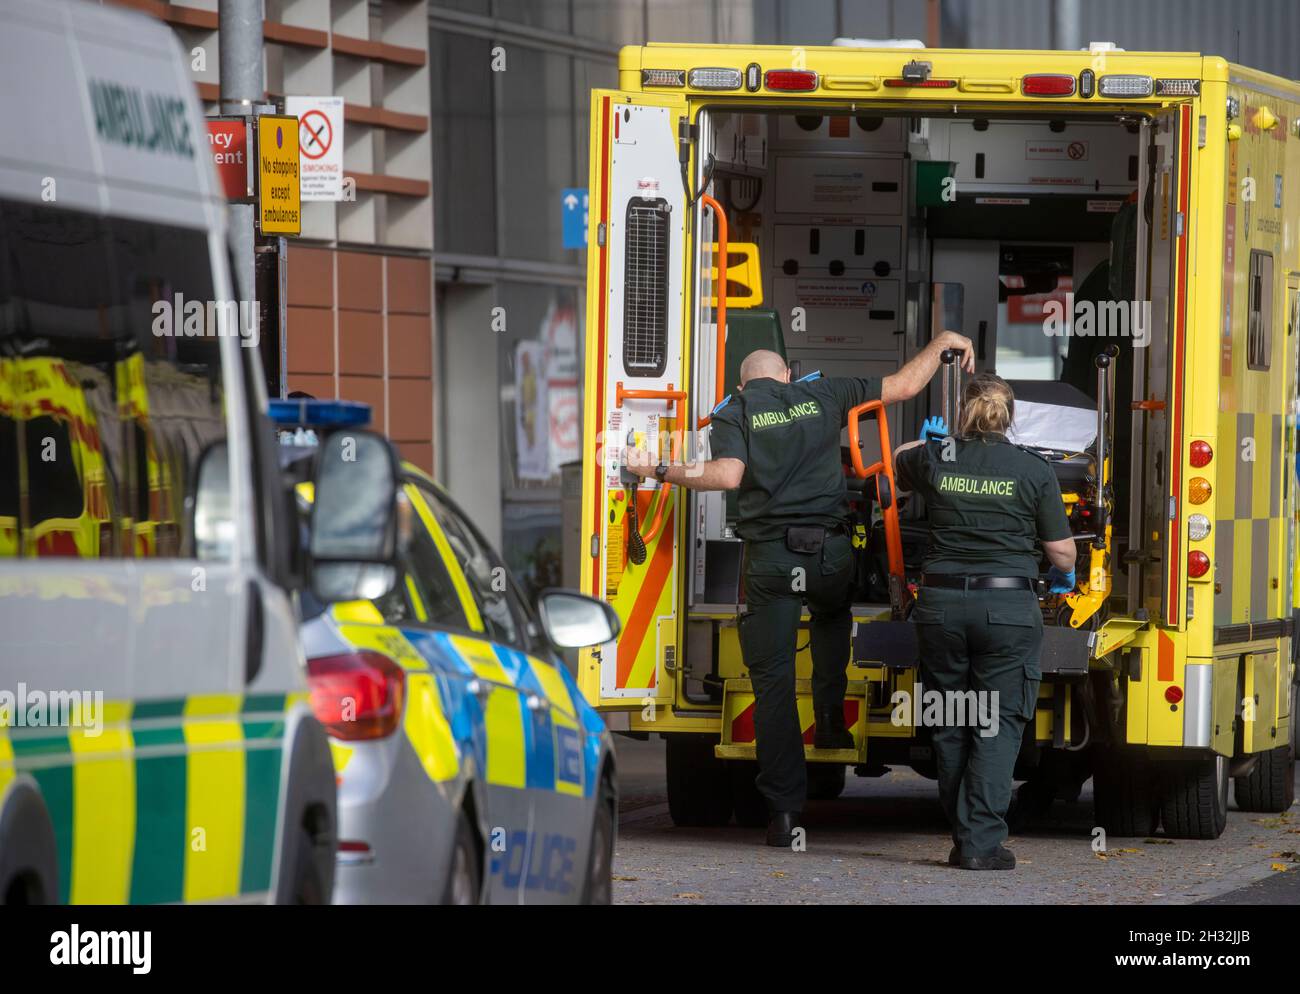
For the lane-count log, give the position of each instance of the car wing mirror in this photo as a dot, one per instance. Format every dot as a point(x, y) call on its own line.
point(576, 621)
point(354, 539)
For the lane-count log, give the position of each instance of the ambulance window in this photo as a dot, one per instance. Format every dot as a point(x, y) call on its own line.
point(114, 371)
point(484, 571)
point(1259, 323)
point(1033, 325)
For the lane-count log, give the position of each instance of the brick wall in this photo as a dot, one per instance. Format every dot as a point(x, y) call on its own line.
point(360, 328)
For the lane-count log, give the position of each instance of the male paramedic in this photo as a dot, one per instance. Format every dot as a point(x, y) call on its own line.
point(779, 443)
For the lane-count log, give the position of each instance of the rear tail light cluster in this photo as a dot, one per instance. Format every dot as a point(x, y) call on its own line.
point(1199, 490)
point(1200, 453)
point(1198, 564)
point(357, 695)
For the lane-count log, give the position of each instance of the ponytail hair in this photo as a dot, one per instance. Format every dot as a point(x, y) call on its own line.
point(988, 405)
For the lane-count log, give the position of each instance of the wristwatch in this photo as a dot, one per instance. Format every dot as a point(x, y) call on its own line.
point(661, 471)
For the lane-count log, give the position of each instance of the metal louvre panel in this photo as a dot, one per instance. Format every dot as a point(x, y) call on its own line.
point(645, 288)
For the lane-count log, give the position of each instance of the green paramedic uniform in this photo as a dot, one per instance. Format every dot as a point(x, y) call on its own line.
point(788, 437)
point(978, 622)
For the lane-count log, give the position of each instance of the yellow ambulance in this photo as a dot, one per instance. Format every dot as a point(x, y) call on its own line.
point(1116, 232)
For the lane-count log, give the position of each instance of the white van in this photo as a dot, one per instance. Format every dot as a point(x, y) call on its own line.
point(155, 738)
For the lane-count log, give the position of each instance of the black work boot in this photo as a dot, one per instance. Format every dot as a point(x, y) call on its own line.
point(829, 731)
point(781, 827)
point(954, 856)
point(1002, 859)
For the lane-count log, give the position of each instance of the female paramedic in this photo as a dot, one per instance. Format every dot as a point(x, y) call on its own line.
point(978, 622)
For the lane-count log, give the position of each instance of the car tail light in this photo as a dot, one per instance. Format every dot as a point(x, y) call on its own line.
point(357, 695)
point(790, 79)
point(1198, 564)
point(1173, 694)
point(1199, 490)
point(1200, 454)
point(1125, 86)
point(1047, 85)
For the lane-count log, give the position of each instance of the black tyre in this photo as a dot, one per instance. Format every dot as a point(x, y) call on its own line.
point(599, 886)
point(826, 781)
point(464, 878)
point(699, 793)
point(308, 887)
point(29, 867)
point(1124, 793)
point(1270, 785)
point(749, 805)
point(1194, 798)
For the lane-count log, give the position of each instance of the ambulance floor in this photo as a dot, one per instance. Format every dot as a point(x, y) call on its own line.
point(885, 842)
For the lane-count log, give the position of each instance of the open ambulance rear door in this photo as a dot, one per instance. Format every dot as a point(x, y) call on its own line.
point(636, 385)
point(1156, 551)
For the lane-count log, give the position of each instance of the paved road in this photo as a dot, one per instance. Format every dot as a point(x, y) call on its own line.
point(885, 842)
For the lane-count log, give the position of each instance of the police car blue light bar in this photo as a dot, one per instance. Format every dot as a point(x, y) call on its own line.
point(319, 413)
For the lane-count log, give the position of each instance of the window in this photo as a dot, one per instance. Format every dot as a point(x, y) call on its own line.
point(1259, 323)
point(488, 580)
point(425, 592)
point(110, 384)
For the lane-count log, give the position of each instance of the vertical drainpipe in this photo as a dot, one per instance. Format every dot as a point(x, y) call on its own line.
point(1066, 28)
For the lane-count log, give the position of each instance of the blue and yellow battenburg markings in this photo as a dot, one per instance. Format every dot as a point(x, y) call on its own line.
point(175, 800)
point(547, 749)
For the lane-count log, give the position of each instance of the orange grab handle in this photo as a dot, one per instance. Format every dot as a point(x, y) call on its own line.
point(720, 362)
point(884, 466)
point(677, 398)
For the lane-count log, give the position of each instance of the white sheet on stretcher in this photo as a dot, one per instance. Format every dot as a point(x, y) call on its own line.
point(1052, 426)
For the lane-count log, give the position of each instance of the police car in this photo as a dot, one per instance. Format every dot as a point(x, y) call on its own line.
point(469, 766)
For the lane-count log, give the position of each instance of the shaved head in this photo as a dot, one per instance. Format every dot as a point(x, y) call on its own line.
point(763, 364)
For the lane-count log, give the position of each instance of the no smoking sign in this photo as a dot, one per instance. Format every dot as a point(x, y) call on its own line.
point(320, 140)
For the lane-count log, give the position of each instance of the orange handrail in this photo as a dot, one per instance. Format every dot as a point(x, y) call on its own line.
point(677, 398)
point(884, 466)
point(720, 362)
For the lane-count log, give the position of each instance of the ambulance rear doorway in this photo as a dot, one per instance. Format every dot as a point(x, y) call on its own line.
point(876, 232)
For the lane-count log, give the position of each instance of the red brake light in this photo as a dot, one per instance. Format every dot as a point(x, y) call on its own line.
point(1200, 454)
point(922, 84)
point(1173, 694)
point(790, 79)
point(1047, 85)
point(356, 695)
point(1198, 564)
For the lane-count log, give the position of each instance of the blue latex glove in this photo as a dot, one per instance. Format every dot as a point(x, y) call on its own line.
point(1060, 582)
point(933, 428)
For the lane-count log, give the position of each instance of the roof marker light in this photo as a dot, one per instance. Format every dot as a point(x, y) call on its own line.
point(921, 84)
point(1047, 85)
point(1125, 86)
point(714, 79)
point(663, 77)
point(1178, 88)
point(753, 77)
point(790, 80)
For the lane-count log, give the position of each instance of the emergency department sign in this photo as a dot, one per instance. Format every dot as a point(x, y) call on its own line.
point(279, 204)
point(320, 144)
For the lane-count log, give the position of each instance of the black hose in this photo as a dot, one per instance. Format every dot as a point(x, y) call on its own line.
point(635, 543)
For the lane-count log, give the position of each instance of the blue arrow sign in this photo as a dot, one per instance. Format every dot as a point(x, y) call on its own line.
point(573, 210)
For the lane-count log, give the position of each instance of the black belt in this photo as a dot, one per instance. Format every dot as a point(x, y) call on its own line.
point(953, 582)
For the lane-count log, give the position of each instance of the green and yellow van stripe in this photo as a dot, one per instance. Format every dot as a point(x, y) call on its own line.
point(175, 800)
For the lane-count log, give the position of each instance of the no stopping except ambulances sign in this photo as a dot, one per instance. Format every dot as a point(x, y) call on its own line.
point(279, 206)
